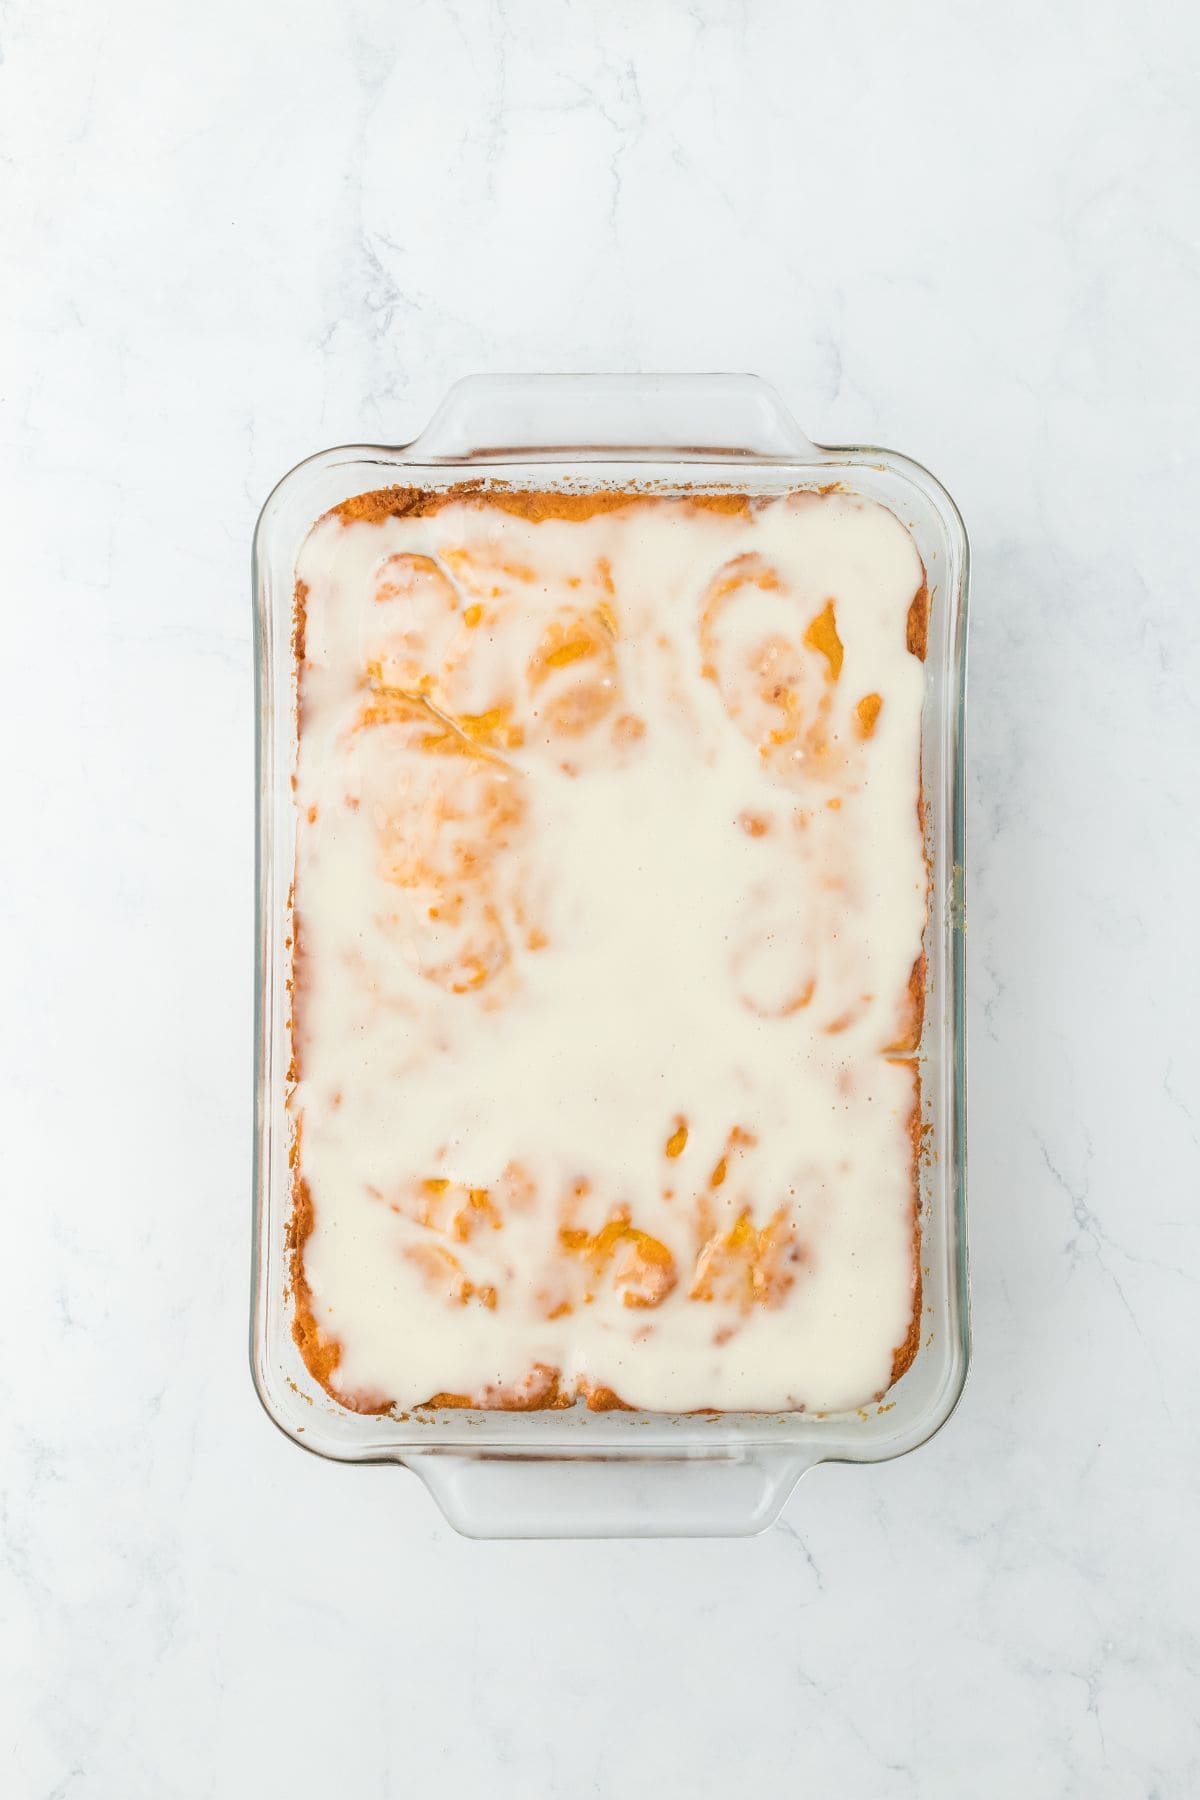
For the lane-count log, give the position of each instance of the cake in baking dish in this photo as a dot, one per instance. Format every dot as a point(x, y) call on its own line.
point(607, 970)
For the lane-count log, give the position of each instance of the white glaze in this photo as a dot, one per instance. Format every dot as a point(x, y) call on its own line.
point(641, 957)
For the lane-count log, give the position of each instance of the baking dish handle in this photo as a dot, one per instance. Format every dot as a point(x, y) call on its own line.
point(489, 1496)
point(488, 417)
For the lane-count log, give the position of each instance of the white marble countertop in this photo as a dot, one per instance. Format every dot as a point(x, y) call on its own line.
point(237, 233)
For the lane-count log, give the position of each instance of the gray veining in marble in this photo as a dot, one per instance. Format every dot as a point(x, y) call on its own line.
point(234, 233)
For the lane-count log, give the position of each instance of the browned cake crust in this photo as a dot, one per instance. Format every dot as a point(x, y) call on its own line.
point(543, 1387)
point(904, 1353)
point(410, 503)
point(917, 635)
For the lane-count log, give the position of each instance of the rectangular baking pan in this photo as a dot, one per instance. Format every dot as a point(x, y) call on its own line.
point(572, 1472)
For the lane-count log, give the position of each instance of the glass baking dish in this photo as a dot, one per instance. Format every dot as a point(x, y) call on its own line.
point(573, 1472)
